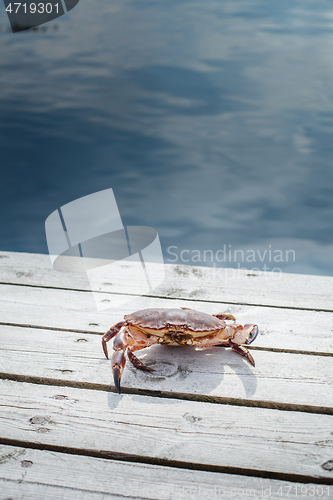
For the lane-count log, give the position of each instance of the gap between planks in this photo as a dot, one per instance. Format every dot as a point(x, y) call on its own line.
point(220, 400)
point(141, 459)
point(250, 347)
point(87, 478)
point(214, 284)
point(168, 297)
point(65, 309)
point(185, 434)
point(278, 377)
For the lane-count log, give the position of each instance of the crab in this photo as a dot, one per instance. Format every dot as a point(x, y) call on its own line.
point(182, 326)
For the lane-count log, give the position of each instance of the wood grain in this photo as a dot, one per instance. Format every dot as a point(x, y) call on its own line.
point(291, 379)
point(23, 473)
point(50, 335)
point(72, 310)
point(220, 285)
point(170, 430)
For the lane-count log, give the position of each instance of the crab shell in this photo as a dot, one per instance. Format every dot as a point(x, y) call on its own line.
point(180, 326)
point(174, 327)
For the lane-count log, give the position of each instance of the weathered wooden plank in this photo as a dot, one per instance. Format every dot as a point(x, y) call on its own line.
point(248, 287)
point(278, 377)
point(25, 471)
point(215, 435)
point(192, 282)
point(74, 310)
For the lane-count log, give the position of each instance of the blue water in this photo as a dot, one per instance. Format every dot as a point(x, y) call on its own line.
point(212, 121)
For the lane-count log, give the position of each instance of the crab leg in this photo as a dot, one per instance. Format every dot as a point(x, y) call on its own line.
point(225, 316)
point(137, 362)
point(242, 351)
point(109, 335)
point(142, 341)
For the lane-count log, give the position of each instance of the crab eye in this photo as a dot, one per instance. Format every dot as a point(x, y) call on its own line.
point(253, 335)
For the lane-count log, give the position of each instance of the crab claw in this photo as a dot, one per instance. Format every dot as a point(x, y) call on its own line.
point(244, 334)
point(254, 330)
point(118, 362)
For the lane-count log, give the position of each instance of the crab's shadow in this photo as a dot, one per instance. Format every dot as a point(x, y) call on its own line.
point(215, 371)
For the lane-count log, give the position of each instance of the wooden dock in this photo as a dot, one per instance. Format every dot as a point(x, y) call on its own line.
point(204, 425)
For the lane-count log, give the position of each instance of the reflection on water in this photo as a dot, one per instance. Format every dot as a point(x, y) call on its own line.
point(212, 122)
